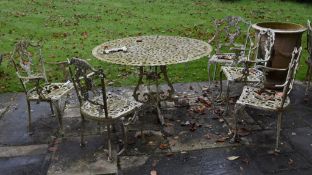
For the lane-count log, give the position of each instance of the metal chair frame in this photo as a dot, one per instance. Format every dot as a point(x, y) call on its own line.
point(245, 74)
point(308, 77)
point(29, 66)
point(98, 105)
point(269, 100)
point(227, 31)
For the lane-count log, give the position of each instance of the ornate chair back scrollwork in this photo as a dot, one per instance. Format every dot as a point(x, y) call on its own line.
point(230, 39)
point(267, 99)
point(98, 105)
point(29, 66)
point(309, 60)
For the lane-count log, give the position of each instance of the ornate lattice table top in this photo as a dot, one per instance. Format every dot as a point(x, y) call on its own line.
point(151, 50)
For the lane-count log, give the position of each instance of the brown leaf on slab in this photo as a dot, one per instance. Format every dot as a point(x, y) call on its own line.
point(221, 139)
point(170, 154)
point(205, 102)
point(243, 132)
point(291, 162)
point(199, 109)
point(163, 146)
point(232, 157)
point(153, 172)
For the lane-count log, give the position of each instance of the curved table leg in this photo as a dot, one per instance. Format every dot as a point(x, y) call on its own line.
point(163, 70)
point(135, 92)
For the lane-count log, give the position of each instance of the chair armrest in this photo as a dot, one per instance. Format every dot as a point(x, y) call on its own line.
point(269, 69)
point(58, 63)
point(30, 78)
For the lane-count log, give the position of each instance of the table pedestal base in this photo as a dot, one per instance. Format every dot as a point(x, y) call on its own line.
point(152, 75)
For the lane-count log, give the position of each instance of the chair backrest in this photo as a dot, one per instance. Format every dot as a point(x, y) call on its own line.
point(89, 84)
point(309, 39)
point(291, 74)
point(261, 48)
point(231, 31)
point(28, 62)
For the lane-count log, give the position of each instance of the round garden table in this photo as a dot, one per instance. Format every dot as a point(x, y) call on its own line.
point(152, 54)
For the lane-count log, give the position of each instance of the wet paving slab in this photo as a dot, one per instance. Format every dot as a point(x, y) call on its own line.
point(194, 140)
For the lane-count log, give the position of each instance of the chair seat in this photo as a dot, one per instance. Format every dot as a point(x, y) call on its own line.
point(267, 100)
point(222, 58)
point(235, 74)
point(52, 91)
point(117, 105)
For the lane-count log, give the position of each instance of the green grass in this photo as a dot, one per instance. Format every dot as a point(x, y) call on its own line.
point(61, 24)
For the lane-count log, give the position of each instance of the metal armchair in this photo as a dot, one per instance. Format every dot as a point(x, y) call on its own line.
point(267, 99)
point(230, 42)
point(256, 57)
point(98, 105)
point(29, 65)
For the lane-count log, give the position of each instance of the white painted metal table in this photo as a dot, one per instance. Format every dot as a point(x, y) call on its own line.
point(152, 54)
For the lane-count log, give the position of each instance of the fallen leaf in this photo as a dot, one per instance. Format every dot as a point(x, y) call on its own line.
point(153, 172)
point(204, 101)
point(199, 109)
point(163, 146)
point(232, 157)
point(170, 154)
point(84, 35)
point(243, 132)
point(291, 162)
point(176, 137)
point(221, 120)
point(222, 139)
point(185, 123)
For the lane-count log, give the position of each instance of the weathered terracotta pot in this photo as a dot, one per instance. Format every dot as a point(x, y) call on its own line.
point(287, 36)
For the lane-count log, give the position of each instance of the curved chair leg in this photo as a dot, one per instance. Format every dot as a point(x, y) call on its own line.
point(109, 143)
point(125, 137)
point(29, 116)
point(52, 110)
point(209, 75)
point(237, 111)
point(59, 114)
point(221, 86)
point(214, 72)
point(227, 97)
point(82, 129)
point(278, 130)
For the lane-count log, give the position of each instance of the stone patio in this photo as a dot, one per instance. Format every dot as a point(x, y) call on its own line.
point(195, 139)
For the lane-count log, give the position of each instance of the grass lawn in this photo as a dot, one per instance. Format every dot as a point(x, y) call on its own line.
point(73, 27)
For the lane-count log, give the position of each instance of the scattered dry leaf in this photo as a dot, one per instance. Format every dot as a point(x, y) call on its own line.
point(232, 157)
point(170, 154)
point(243, 132)
point(153, 172)
point(163, 146)
point(291, 162)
